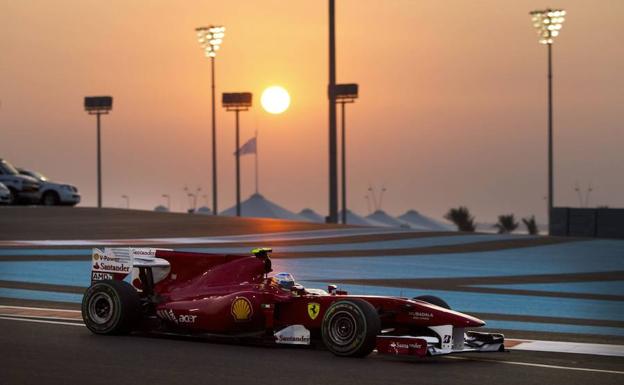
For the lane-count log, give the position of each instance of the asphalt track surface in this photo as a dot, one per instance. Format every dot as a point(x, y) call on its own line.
point(40, 353)
point(52, 353)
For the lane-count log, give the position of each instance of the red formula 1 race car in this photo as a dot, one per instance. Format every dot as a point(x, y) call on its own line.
point(234, 296)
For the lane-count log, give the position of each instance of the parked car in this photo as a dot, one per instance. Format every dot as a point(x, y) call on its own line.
point(54, 193)
point(5, 194)
point(22, 188)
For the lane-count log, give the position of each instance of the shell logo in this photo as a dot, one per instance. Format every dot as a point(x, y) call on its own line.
point(241, 309)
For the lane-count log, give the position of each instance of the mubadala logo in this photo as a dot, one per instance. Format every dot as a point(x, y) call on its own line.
point(420, 314)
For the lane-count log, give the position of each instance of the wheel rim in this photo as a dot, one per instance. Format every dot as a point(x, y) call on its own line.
point(49, 200)
point(342, 328)
point(101, 308)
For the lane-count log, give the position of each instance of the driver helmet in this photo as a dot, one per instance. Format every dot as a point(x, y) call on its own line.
point(285, 280)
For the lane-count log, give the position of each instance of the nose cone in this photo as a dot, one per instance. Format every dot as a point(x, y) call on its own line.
point(473, 321)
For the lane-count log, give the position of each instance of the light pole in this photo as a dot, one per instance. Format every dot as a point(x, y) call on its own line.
point(98, 105)
point(166, 196)
point(333, 148)
point(237, 102)
point(345, 93)
point(127, 198)
point(210, 38)
point(548, 25)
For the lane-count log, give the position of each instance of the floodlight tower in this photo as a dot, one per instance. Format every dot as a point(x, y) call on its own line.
point(98, 105)
point(345, 93)
point(548, 25)
point(237, 102)
point(210, 39)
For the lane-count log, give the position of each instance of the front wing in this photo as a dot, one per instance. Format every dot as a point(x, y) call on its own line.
point(422, 346)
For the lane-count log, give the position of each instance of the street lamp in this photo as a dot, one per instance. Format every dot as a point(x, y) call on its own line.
point(548, 25)
point(345, 93)
point(239, 101)
point(333, 158)
point(210, 39)
point(127, 198)
point(98, 105)
point(166, 196)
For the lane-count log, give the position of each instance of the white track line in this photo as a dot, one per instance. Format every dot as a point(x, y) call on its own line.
point(536, 365)
point(570, 347)
point(42, 321)
point(37, 308)
point(266, 237)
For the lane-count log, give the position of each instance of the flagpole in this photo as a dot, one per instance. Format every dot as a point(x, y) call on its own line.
point(256, 161)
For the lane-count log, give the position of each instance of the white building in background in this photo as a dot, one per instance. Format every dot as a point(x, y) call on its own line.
point(260, 207)
point(161, 209)
point(311, 216)
point(386, 220)
point(418, 221)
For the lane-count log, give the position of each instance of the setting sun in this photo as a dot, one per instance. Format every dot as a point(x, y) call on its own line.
point(275, 100)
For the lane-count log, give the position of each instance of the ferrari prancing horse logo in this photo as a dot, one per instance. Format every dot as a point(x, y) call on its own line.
point(313, 309)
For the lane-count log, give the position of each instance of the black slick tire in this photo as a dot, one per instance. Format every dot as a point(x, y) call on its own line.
point(432, 299)
point(350, 328)
point(110, 307)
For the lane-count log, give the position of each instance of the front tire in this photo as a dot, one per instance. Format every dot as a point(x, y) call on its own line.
point(50, 198)
point(350, 328)
point(110, 307)
point(432, 299)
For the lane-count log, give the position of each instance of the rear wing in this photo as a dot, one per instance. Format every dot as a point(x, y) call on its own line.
point(117, 263)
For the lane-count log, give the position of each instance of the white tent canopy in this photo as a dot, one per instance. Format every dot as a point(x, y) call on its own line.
point(382, 217)
point(258, 206)
point(418, 221)
point(311, 216)
point(357, 220)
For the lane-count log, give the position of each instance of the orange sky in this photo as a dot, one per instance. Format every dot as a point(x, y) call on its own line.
point(452, 108)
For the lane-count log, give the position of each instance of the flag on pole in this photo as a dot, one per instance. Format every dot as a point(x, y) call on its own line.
point(248, 148)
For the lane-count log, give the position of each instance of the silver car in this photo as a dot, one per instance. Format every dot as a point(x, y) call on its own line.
point(54, 193)
point(5, 195)
point(23, 188)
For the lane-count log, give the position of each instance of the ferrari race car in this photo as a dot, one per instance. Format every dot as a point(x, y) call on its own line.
point(234, 296)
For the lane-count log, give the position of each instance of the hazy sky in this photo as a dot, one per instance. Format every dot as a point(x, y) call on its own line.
point(452, 106)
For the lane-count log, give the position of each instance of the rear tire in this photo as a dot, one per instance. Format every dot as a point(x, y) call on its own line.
point(350, 328)
point(432, 299)
point(111, 307)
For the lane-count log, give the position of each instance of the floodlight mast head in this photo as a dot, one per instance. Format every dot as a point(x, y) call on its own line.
point(346, 93)
point(236, 101)
point(210, 38)
point(95, 105)
point(548, 23)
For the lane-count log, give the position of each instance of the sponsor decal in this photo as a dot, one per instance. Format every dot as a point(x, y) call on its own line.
point(169, 315)
point(400, 345)
point(111, 264)
point(187, 318)
point(420, 315)
point(314, 309)
point(293, 335)
point(241, 309)
point(96, 276)
point(293, 339)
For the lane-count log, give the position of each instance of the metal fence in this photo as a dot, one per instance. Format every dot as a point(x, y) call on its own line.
point(599, 223)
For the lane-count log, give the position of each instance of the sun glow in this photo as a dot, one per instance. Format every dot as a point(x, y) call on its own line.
point(275, 100)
